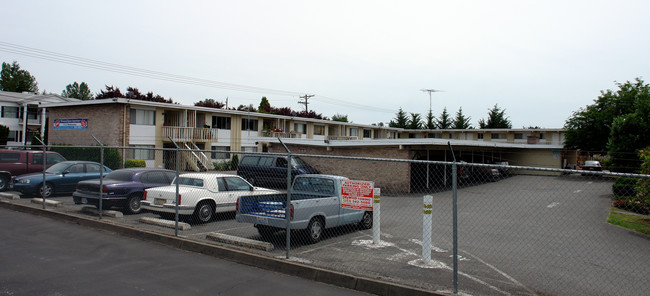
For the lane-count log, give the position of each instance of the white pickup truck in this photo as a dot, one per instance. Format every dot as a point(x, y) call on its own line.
point(201, 195)
point(315, 206)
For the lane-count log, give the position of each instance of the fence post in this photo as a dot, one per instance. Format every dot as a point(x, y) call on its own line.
point(44, 168)
point(101, 175)
point(426, 229)
point(287, 208)
point(376, 217)
point(178, 168)
point(454, 198)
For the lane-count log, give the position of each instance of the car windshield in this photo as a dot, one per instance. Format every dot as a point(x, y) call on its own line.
point(592, 163)
point(189, 181)
point(120, 175)
point(58, 168)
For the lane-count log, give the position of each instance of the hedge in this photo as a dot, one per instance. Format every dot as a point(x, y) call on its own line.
point(135, 163)
point(111, 155)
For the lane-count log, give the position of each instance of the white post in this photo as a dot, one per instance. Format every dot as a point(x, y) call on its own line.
point(376, 214)
point(426, 229)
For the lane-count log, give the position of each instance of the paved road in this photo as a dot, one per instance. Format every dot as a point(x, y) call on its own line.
point(42, 256)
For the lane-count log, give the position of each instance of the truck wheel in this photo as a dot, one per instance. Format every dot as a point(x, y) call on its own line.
point(315, 230)
point(366, 220)
point(4, 183)
point(204, 212)
point(47, 191)
point(133, 204)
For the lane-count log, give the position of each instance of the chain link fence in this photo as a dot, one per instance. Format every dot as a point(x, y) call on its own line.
point(445, 226)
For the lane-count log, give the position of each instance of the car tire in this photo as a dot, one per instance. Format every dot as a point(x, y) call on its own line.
point(366, 220)
point(4, 183)
point(315, 230)
point(133, 204)
point(204, 212)
point(47, 191)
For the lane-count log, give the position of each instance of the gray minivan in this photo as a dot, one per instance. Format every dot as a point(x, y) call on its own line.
point(271, 170)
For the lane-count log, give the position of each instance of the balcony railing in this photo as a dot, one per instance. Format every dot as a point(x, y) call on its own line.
point(191, 134)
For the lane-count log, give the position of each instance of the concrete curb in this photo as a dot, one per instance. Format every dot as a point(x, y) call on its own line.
point(165, 223)
point(95, 212)
point(9, 195)
point(334, 278)
point(48, 202)
point(239, 241)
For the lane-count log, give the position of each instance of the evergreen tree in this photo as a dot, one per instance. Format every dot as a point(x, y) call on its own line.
point(430, 124)
point(496, 119)
point(340, 117)
point(461, 122)
point(77, 91)
point(265, 106)
point(401, 120)
point(415, 122)
point(445, 121)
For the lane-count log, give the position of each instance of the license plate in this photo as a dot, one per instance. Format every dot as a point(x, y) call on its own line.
point(263, 220)
point(159, 201)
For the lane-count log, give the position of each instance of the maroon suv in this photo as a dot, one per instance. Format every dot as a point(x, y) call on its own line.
point(19, 162)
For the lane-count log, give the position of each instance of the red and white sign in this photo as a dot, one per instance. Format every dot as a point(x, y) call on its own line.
point(357, 195)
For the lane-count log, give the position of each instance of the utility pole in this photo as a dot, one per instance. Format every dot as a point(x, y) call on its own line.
point(305, 102)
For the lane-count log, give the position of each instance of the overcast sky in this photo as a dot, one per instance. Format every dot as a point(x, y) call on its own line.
point(540, 60)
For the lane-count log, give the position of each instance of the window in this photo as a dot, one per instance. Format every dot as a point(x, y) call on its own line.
point(32, 113)
point(155, 178)
point(236, 184)
point(367, 133)
point(497, 136)
point(281, 163)
point(221, 122)
point(248, 124)
point(249, 160)
point(143, 117)
point(519, 136)
point(319, 130)
point(144, 152)
point(480, 136)
point(9, 157)
point(76, 169)
point(10, 112)
point(220, 152)
point(354, 132)
point(52, 158)
point(300, 128)
point(435, 135)
point(266, 161)
point(249, 149)
point(542, 136)
point(92, 168)
point(14, 136)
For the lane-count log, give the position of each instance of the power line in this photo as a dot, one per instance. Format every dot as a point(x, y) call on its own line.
point(116, 68)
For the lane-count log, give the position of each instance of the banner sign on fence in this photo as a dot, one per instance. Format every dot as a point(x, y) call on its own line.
point(357, 195)
point(76, 123)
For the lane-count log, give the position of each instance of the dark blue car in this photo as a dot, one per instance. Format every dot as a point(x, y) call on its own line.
point(122, 188)
point(59, 179)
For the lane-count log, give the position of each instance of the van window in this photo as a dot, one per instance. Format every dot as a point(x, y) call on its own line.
point(9, 157)
point(266, 161)
point(281, 163)
point(250, 160)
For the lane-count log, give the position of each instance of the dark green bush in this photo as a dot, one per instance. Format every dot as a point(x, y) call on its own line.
point(624, 187)
point(135, 163)
point(234, 162)
point(111, 155)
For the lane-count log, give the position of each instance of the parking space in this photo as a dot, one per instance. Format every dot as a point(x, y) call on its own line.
point(523, 235)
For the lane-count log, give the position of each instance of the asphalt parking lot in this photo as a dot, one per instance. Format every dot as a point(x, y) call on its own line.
point(524, 235)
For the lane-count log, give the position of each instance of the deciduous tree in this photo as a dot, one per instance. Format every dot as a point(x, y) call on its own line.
point(12, 78)
point(77, 91)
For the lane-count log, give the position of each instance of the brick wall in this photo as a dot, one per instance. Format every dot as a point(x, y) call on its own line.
point(105, 121)
point(391, 177)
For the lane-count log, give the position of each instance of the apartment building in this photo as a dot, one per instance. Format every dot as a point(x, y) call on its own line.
point(140, 124)
point(22, 114)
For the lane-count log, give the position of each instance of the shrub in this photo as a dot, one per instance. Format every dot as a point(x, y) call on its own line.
point(111, 155)
point(234, 163)
point(135, 163)
point(624, 187)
